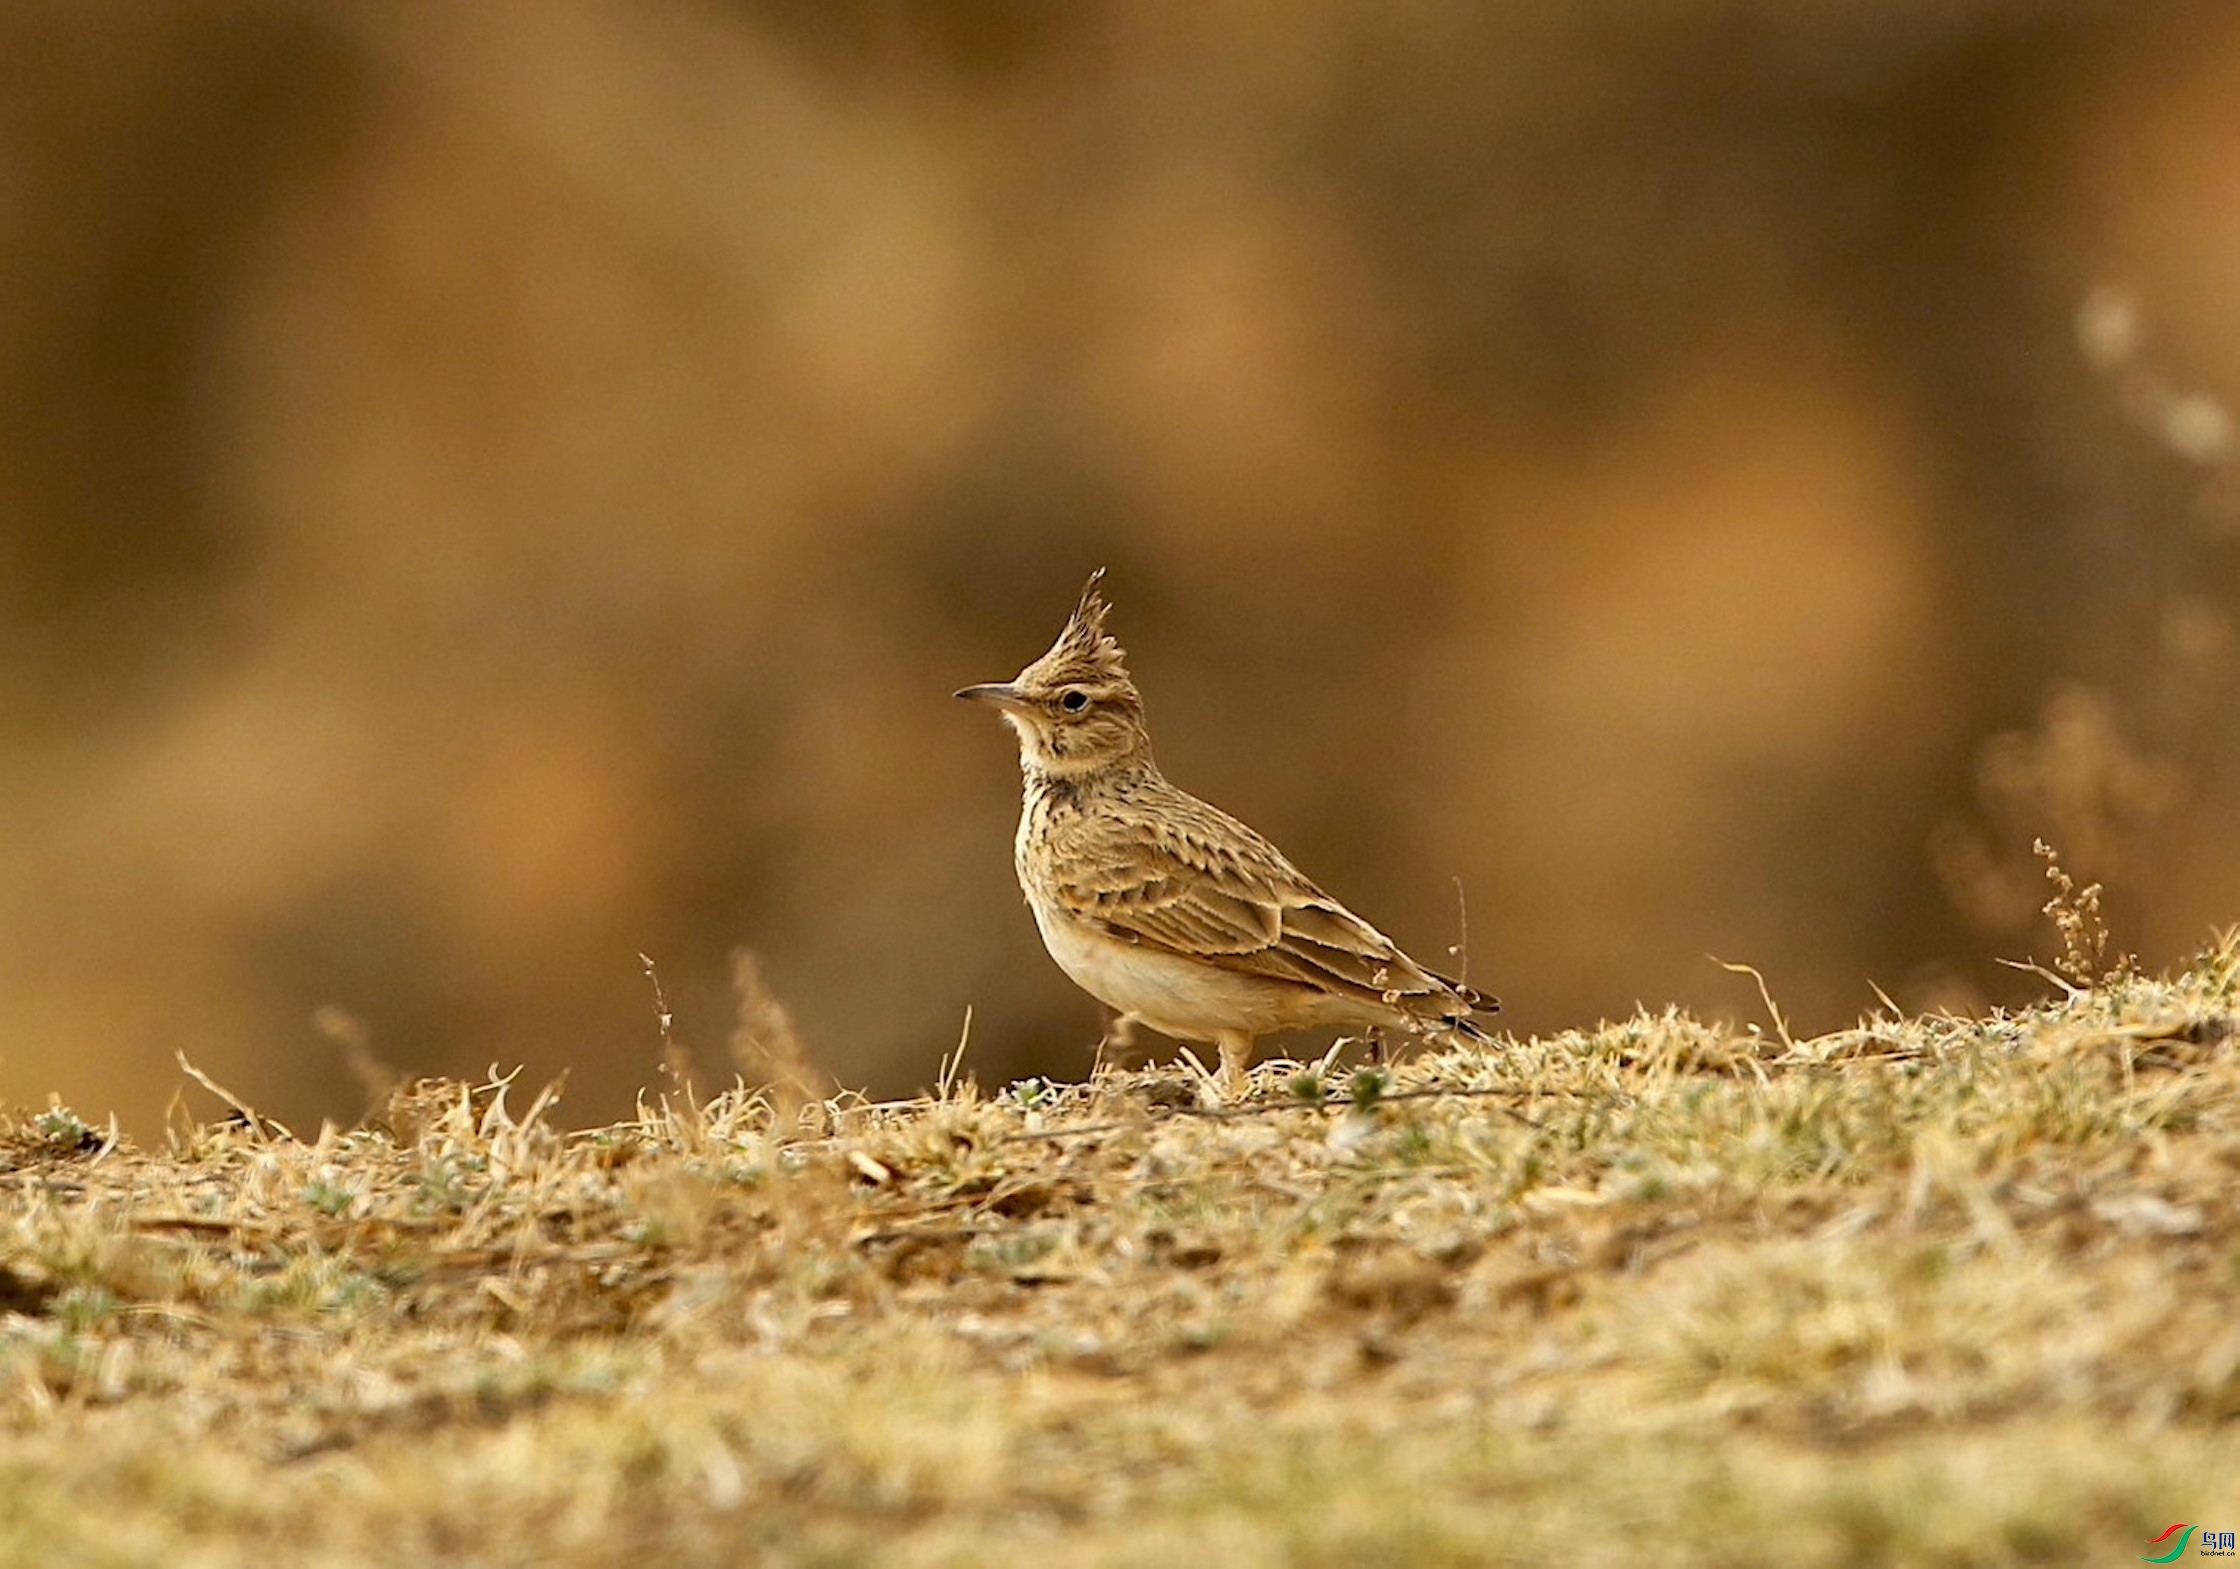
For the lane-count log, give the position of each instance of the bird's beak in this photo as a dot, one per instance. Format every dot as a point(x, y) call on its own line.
point(1004, 694)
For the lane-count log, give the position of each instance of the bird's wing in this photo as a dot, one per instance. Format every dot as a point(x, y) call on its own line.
point(1201, 884)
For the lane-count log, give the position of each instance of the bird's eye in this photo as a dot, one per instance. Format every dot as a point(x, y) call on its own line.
point(1074, 701)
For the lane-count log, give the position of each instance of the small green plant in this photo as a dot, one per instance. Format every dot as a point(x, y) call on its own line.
point(63, 1128)
point(1368, 1088)
point(329, 1197)
point(82, 1309)
point(443, 1184)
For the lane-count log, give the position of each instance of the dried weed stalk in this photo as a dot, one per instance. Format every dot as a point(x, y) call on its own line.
point(769, 1053)
point(2075, 913)
point(2074, 779)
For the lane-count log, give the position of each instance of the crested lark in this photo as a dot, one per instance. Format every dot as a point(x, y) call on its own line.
point(1170, 910)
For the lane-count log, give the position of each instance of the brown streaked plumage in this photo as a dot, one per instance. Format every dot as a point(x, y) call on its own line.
point(1167, 908)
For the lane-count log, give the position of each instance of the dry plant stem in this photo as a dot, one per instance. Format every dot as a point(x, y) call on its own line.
point(2075, 779)
point(952, 1063)
point(676, 1057)
point(2075, 913)
point(1765, 995)
point(769, 1053)
point(244, 1113)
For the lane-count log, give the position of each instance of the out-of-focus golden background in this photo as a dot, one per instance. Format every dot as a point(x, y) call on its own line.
point(490, 491)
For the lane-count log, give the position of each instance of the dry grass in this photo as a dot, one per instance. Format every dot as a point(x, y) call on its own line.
point(1929, 1291)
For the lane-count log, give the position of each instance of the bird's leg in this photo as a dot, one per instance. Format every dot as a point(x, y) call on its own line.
point(1236, 1058)
point(1377, 1053)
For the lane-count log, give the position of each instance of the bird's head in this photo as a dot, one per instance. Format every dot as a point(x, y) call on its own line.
point(1074, 708)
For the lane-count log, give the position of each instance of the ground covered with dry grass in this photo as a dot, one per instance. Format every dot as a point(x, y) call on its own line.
point(1929, 1291)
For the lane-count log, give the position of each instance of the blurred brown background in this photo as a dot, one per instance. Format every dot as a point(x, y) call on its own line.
point(488, 491)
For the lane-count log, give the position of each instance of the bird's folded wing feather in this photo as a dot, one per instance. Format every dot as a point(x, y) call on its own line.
point(1250, 914)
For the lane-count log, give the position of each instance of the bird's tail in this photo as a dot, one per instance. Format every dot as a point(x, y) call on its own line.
point(1454, 1020)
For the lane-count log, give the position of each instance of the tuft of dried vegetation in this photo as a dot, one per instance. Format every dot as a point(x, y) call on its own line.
point(2075, 913)
point(1930, 1290)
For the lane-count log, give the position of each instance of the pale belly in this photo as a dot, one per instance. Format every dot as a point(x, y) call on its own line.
point(1187, 999)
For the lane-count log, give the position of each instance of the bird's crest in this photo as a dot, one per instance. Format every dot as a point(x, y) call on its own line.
point(1084, 651)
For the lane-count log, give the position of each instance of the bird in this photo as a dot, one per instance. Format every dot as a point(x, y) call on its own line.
point(1167, 909)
